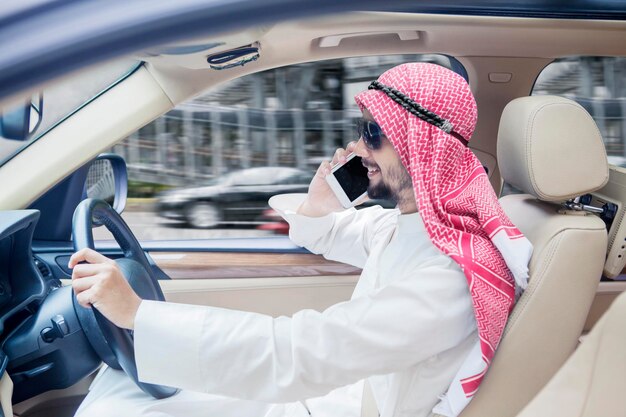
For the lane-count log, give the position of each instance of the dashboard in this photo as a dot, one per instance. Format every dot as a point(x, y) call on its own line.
point(21, 285)
point(43, 345)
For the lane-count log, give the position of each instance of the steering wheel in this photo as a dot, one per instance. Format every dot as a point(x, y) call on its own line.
point(114, 345)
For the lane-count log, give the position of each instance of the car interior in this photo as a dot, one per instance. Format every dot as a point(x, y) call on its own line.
point(570, 205)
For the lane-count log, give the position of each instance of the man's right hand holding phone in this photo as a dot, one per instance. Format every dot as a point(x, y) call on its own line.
point(321, 198)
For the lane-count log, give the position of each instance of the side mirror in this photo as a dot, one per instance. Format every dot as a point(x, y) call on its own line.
point(21, 122)
point(107, 179)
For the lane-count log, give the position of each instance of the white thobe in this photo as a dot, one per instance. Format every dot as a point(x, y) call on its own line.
point(407, 329)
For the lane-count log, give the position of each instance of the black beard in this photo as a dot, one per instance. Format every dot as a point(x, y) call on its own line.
point(383, 191)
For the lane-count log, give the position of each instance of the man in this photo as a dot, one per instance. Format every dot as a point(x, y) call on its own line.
point(439, 280)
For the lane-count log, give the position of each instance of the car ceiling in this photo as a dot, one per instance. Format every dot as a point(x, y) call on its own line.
point(381, 33)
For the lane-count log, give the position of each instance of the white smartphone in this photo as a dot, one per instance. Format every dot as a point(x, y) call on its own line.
point(349, 181)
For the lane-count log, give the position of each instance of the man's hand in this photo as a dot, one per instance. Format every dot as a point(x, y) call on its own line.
point(101, 284)
point(321, 199)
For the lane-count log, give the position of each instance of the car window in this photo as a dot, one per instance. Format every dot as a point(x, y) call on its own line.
point(255, 176)
point(599, 85)
point(207, 168)
point(297, 178)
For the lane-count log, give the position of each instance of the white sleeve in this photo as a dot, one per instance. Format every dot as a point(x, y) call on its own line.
point(347, 236)
point(257, 357)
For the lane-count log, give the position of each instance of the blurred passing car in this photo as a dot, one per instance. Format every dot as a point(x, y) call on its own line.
point(239, 197)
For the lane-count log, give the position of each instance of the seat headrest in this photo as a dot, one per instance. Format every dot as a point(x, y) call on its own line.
point(550, 147)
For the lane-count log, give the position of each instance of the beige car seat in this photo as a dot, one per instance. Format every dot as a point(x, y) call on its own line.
point(590, 382)
point(550, 148)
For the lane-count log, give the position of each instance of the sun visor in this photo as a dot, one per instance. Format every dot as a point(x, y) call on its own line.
point(220, 52)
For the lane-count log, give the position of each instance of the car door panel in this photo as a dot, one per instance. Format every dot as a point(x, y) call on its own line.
point(269, 283)
point(212, 265)
point(275, 296)
point(607, 292)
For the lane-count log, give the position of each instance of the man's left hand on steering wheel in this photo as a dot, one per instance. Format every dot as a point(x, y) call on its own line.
point(114, 296)
point(101, 284)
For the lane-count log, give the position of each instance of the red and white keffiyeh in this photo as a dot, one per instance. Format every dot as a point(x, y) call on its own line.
point(459, 208)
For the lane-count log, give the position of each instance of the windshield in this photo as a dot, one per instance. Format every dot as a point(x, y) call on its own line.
point(63, 98)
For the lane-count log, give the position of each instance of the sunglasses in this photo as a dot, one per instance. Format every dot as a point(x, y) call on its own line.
point(371, 133)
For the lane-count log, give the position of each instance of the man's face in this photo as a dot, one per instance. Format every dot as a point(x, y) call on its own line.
point(389, 179)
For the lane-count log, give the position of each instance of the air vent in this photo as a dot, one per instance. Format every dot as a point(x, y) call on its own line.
point(42, 267)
